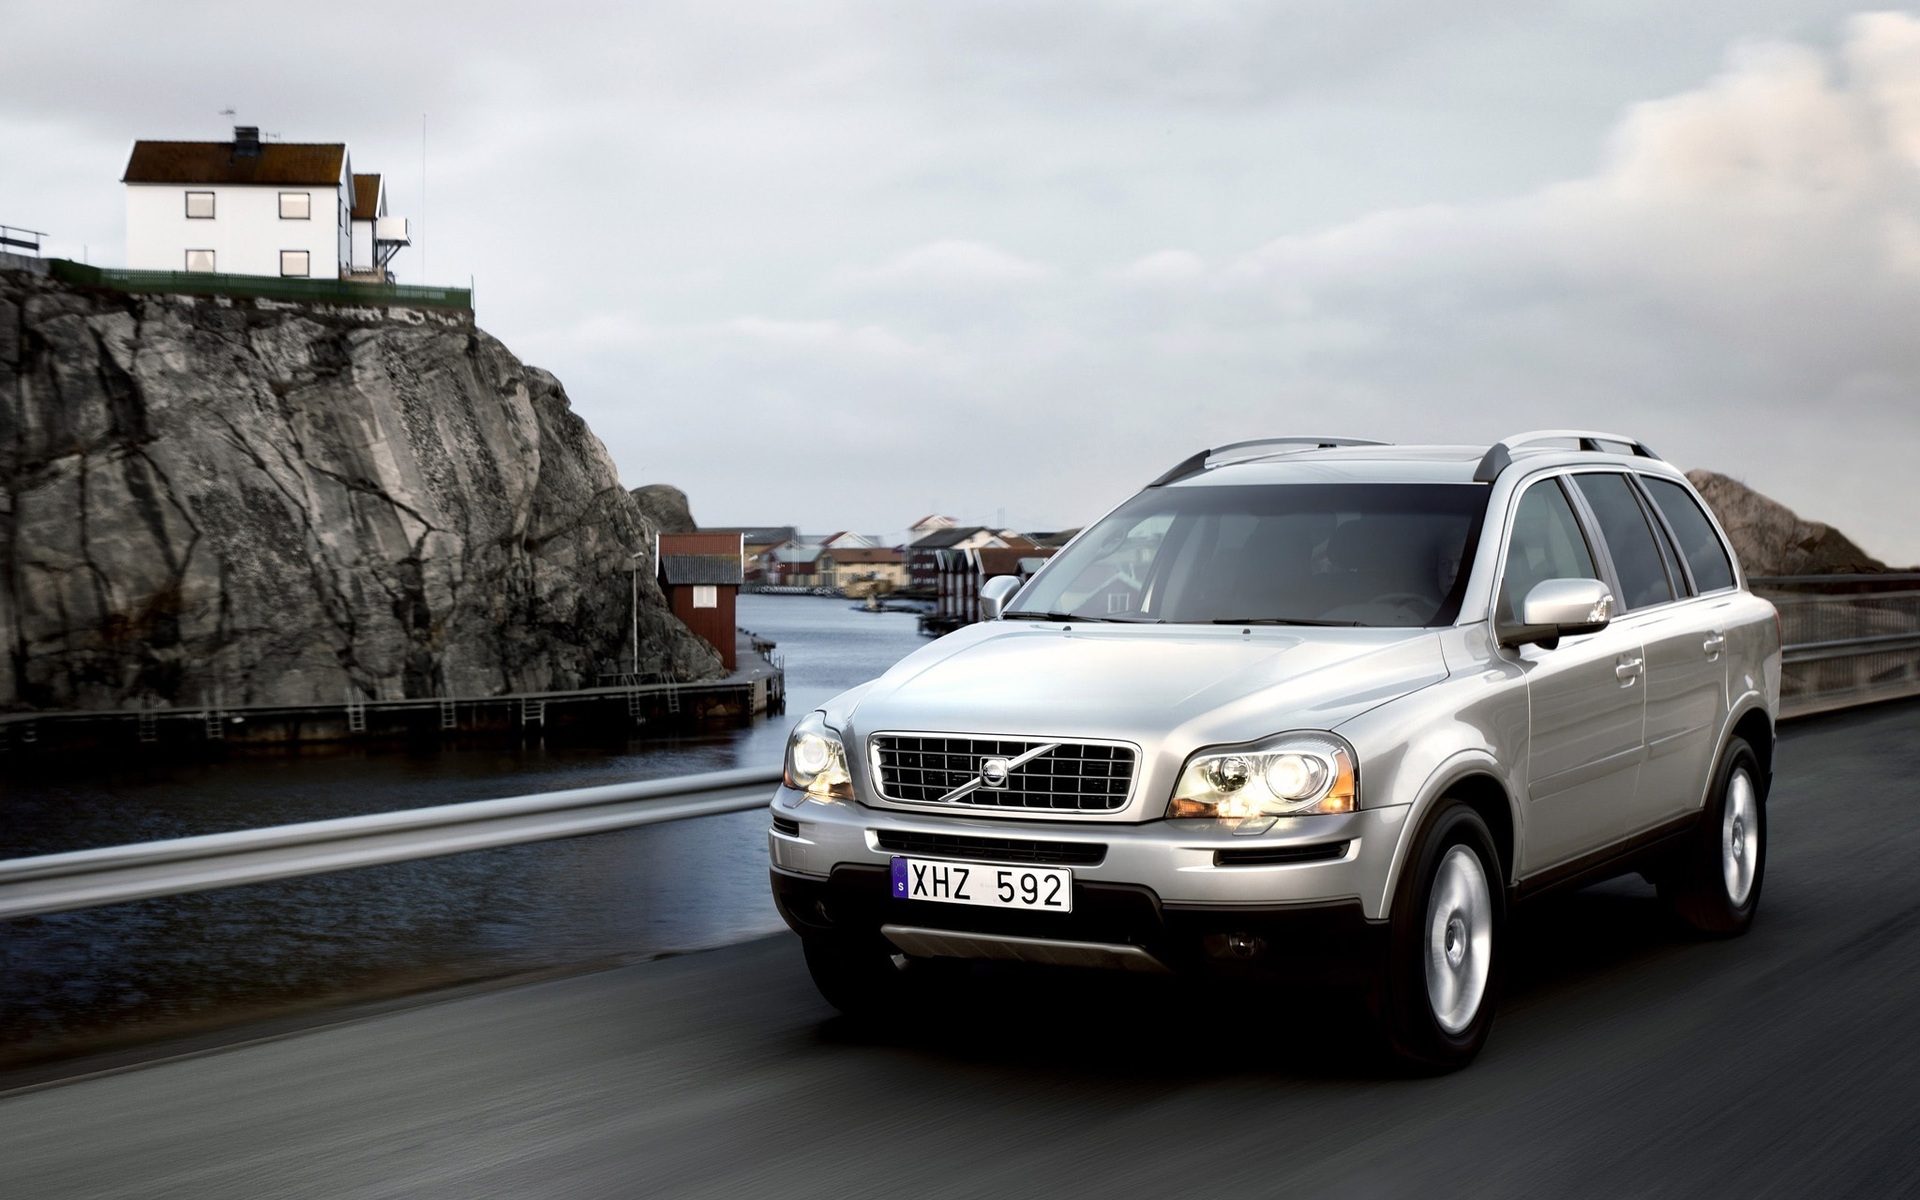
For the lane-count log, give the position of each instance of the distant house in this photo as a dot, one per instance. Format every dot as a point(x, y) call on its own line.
point(923, 565)
point(755, 542)
point(930, 523)
point(247, 207)
point(796, 564)
point(960, 573)
point(844, 540)
point(377, 237)
point(864, 570)
point(701, 574)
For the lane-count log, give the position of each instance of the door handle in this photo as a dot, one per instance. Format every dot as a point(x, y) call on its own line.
point(1715, 643)
point(1627, 669)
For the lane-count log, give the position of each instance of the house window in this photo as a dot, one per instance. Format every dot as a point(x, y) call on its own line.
point(200, 206)
point(293, 263)
point(706, 595)
point(200, 260)
point(296, 206)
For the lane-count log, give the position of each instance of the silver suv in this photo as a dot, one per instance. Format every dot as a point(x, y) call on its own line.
point(1304, 704)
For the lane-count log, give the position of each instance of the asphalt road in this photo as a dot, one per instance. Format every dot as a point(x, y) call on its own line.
point(1627, 1061)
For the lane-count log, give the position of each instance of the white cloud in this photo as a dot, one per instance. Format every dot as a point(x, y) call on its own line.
point(945, 266)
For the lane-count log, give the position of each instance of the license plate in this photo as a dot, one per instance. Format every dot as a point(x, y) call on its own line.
point(990, 885)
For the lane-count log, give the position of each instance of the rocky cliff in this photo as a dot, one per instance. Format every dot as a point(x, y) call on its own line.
point(204, 501)
point(1771, 539)
point(665, 508)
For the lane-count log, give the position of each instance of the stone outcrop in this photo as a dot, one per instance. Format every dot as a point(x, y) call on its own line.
point(228, 502)
point(665, 508)
point(1771, 539)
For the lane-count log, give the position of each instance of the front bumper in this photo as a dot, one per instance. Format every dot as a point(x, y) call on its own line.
point(1308, 891)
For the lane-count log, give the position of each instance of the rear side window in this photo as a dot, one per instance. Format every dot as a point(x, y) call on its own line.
point(1699, 544)
point(1623, 523)
point(1546, 544)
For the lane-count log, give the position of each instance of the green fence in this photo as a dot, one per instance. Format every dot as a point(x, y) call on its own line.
point(323, 291)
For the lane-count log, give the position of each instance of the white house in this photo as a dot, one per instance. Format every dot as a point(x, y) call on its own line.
point(248, 207)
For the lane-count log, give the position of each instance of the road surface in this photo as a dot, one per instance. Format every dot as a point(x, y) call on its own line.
point(1627, 1060)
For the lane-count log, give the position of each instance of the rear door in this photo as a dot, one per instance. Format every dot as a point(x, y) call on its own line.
point(1687, 680)
point(1684, 667)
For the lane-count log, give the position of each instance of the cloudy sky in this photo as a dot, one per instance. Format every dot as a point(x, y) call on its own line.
point(837, 264)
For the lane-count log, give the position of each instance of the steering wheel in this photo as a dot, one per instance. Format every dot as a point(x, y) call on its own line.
point(1403, 599)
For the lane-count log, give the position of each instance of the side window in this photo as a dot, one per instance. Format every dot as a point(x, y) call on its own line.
point(1636, 556)
point(1712, 569)
point(1546, 544)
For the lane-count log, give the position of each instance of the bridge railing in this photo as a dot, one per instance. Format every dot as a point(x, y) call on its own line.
point(1849, 640)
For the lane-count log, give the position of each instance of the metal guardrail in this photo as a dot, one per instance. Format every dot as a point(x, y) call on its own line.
point(324, 291)
point(1849, 639)
point(88, 878)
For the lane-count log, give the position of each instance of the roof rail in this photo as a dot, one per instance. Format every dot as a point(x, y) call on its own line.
point(1197, 463)
point(1499, 455)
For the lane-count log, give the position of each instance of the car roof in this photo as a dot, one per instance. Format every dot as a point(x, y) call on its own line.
point(1386, 463)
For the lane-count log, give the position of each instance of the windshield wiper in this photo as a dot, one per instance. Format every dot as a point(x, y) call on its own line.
point(1030, 615)
point(1281, 621)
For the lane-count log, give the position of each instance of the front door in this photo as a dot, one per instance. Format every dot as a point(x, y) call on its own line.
point(1586, 696)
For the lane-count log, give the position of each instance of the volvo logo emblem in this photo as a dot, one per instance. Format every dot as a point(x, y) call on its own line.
point(994, 772)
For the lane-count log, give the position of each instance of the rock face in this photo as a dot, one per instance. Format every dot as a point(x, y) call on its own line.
point(1772, 540)
point(212, 502)
point(665, 508)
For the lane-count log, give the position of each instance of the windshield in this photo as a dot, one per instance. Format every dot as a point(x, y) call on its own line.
point(1386, 554)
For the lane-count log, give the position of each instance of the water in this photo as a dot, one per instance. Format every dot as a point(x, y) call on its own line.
point(132, 972)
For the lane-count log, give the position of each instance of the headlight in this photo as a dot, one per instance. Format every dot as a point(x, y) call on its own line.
point(1293, 774)
point(817, 761)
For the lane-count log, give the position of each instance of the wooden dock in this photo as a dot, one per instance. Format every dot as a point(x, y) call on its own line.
point(622, 704)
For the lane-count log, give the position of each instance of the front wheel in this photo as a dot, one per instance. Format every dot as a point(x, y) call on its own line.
point(1713, 882)
point(1443, 967)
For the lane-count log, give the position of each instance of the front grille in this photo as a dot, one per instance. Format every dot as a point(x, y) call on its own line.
point(1267, 856)
point(1007, 850)
point(1070, 777)
point(787, 826)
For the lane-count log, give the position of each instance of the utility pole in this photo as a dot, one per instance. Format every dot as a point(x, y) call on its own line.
point(635, 556)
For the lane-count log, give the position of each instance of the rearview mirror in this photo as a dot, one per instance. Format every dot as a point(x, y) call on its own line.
point(1558, 608)
point(995, 593)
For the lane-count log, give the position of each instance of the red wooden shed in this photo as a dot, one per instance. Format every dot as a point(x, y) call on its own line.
point(701, 574)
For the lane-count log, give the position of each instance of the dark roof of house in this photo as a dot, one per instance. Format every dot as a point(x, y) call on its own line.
point(1013, 560)
point(216, 162)
point(684, 569)
point(366, 197)
point(942, 539)
point(1055, 538)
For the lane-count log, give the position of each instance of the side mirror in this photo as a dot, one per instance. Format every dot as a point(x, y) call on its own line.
point(1558, 608)
point(995, 593)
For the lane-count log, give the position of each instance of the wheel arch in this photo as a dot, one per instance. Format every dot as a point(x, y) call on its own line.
point(1755, 727)
point(1474, 780)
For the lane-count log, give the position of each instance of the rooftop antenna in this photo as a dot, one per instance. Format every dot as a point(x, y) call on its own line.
point(423, 198)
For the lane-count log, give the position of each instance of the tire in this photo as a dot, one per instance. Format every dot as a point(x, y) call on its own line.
point(1442, 975)
point(1712, 884)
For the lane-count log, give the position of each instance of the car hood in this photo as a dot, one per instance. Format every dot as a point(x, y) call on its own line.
point(1167, 690)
